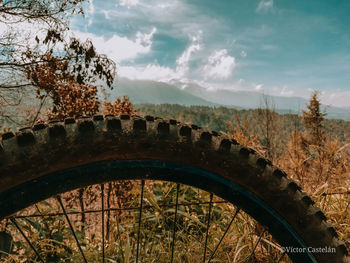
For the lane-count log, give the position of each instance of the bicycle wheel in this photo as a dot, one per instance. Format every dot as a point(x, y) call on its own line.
point(57, 157)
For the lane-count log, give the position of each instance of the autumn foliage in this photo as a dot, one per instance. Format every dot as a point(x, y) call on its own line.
point(313, 120)
point(120, 106)
point(319, 163)
point(311, 157)
point(243, 136)
point(69, 97)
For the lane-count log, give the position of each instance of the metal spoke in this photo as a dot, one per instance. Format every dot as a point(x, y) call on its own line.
point(281, 257)
point(140, 217)
point(71, 227)
point(25, 237)
point(174, 228)
point(222, 238)
point(208, 224)
point(261, 234)
point(103, 222)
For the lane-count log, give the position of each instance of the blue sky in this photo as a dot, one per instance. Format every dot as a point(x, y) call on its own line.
point(278, 47)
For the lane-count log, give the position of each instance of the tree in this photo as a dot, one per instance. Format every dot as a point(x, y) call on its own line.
point(268, 125)
point(46, 45)
point(69, 98)
point(313, 120)
point(311, 157)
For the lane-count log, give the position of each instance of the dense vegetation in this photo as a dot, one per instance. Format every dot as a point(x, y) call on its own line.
point(217, 118)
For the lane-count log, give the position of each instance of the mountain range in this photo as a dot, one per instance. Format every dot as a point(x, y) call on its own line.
point(176, 92)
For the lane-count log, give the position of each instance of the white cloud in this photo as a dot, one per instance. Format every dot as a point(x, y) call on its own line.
point(24, 32)
point(265, 6)
point(91, 9)
point(220, 65)
point(145, 39)
point(107, 14)
point(120, 48)
point(149, 72)
point(182, 62)
point(340, 99)
point(286, 92)
point(258, 87)
point(174, 17)
point(128, 3)
point(160, 73)
point(241, 81)
point(163, 6)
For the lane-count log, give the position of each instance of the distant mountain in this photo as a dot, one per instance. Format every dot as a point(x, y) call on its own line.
point(147, 91)
point(245, 99)
point(253, 100)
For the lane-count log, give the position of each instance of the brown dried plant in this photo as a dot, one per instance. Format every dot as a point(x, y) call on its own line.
point(243, 136)
point(69, 98)
point(311, 157)
point(120, 106)
point(320, 164)
point(313, 120)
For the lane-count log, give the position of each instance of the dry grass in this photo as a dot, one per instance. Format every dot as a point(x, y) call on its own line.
point(321, 170)
point(156, 231)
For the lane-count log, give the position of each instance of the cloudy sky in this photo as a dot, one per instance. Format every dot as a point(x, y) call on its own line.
point(278, 47)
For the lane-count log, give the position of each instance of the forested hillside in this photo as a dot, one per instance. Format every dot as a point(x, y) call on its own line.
point(215, 118)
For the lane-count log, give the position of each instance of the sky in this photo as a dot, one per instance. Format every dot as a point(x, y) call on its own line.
point(278, 47)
